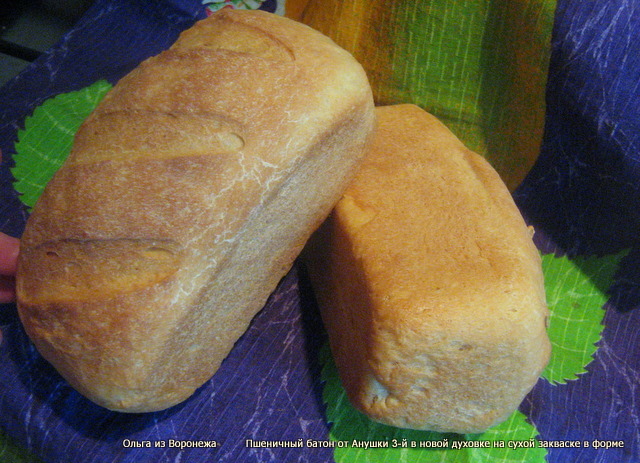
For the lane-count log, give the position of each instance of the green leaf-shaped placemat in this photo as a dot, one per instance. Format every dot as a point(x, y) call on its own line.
point(47, 137)
point(576, 293)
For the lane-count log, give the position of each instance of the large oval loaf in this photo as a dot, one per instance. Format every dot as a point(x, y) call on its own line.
point(429, 284)
point(187, 195)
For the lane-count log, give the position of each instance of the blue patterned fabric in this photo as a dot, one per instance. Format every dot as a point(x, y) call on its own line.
point(583, 197)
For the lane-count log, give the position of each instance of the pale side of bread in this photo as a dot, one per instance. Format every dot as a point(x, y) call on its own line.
point(429, 284)
point(187, 195)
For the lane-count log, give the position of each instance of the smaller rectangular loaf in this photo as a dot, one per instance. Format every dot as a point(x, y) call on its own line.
point(429, 284)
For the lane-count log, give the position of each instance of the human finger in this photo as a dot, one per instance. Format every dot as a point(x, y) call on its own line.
point(7, 289)
point(9, 247)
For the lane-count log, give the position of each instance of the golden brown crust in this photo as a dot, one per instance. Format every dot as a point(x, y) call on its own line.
point(217, 158)
point(430, 286)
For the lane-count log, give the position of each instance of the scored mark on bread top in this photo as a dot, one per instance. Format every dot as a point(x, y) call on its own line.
point(166, 135)
point(81, 270)
point(225, 33)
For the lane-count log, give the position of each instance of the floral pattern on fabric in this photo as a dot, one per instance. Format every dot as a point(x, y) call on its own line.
point(211, 6)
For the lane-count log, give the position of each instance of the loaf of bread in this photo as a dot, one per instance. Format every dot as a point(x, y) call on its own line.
point(429, 284)
point(188, 193)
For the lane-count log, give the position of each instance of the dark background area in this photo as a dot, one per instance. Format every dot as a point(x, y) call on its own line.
point(30, 27)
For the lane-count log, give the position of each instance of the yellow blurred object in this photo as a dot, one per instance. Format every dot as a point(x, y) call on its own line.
point(294, 8)
point(479, 66)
